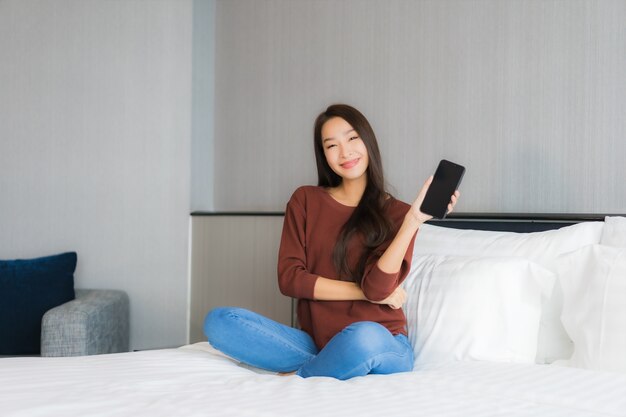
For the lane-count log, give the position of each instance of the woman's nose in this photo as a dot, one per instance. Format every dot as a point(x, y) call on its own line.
point(346, 151)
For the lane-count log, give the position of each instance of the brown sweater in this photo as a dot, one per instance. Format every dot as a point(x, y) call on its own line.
point(313, 221)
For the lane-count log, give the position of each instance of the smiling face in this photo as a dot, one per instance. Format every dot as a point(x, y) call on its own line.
point(344, 149)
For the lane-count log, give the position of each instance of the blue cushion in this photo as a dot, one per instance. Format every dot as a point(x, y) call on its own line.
point(29, 288)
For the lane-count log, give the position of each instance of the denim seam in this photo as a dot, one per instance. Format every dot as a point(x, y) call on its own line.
point(373, 358)
point(261, 329)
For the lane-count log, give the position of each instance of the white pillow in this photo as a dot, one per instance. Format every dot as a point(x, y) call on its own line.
point(467, 308)
point(540, 247)
point(594, 306)
point(614, 232)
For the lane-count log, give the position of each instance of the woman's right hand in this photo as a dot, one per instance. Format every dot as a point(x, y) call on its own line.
point(414, 212)
point(395, 300)
point(416, 215)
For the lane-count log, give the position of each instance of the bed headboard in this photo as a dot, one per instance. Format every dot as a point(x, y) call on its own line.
point(515, 222)
point(247, 255)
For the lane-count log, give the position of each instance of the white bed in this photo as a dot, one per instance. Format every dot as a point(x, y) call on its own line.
point(195, 380)
point(483, 315)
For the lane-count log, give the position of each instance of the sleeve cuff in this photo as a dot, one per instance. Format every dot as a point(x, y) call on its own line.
point(378, 284)
point(307, 286)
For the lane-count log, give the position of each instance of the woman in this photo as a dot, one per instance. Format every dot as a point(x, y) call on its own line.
point(346, 247)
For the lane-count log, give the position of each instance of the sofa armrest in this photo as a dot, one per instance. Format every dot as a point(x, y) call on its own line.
point(97, 321)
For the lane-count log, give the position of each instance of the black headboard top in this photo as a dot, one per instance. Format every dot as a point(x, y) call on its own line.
point(514, 222)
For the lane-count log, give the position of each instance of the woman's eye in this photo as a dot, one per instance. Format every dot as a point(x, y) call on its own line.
point(354, 137)
point(330, 146)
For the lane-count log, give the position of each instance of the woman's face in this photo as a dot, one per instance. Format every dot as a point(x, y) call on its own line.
point(344, 149)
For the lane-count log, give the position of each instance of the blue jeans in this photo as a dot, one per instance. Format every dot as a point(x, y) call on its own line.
point(359, 349)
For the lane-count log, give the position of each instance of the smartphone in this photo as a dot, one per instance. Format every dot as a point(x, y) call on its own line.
point(445, 182)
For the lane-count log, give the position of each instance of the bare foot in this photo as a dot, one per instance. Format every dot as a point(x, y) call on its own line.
point(286, 373)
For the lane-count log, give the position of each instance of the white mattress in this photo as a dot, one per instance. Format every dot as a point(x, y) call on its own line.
point(196, 381)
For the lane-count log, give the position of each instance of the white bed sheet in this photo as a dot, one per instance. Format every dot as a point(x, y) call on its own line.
point(195, 380)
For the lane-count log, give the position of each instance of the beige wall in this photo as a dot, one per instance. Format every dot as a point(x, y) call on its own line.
point(234, 262)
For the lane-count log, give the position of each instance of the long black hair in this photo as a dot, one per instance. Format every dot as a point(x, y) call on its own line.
point(368, 221)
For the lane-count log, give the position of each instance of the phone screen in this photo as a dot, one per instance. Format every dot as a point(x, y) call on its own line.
point(446, 181)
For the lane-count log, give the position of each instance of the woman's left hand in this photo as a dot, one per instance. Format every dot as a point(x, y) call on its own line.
point(394, 300)
point(415, 212)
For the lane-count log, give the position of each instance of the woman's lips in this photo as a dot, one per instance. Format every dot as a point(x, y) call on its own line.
point(350, 164)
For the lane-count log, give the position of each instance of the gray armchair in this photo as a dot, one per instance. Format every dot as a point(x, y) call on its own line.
point(96, 322)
